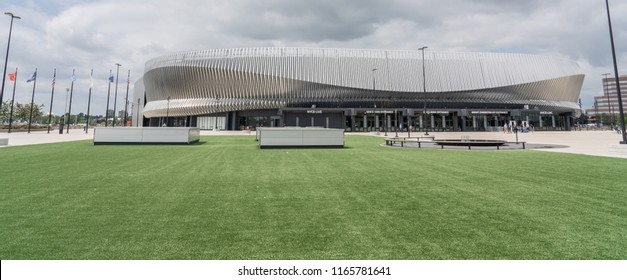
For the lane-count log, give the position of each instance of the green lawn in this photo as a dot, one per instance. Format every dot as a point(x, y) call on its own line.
point(226, 199)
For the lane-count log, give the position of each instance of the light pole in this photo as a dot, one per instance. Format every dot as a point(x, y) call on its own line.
point(128, 84)
point(54, 80)
point(424, 85)
point(69, 114)
point(6, 59)
point(396, 122)
point(91, 84)
point(167, 112)
point(137, 121)
point(385, 114)
point(67, 94)
point(373, 81)
point(620, 98)
point(108, 96)
point(115, 96)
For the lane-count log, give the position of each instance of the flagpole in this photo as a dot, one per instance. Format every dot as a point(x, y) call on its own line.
point(6, 59)
point(32, 102)
point(54, 78)
point(91, 84)
point(115, 99)
point(69, 110)
point(108, 96)
point(12, 102)
point(128, 82)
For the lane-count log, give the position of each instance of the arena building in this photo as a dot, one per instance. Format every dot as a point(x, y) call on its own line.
point(358, 90)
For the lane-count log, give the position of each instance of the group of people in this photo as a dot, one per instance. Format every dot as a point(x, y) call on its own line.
point(617, 129)
point(515, 129)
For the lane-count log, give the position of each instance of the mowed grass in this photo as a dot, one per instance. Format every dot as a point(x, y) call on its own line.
point(226, 199)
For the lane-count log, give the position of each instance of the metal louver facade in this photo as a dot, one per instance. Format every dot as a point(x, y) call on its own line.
point(227, 80)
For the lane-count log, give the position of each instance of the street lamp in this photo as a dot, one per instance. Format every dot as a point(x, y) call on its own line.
point(167, 112)
point(137, 121)
point(424, 84)
point(385, 113)
point(62, 122)
point(620, 98)
point(396, 122)
point(128, 84)
point(6, 59)
point(115, 98)
point(373, 83)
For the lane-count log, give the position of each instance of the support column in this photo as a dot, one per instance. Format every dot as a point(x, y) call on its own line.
point(485, 122)
point(432, 122)
point(409, 124)
point(234, 121)
point(540, 120)
point(456, 123)
point(474, 122)
point(420, 120)
point(365, 122)
point(443, 121)
point(376, 121)
point(388, 122)
point(553, 120)
point(353, 123)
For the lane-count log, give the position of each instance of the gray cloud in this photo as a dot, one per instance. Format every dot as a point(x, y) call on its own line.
point(85, 34)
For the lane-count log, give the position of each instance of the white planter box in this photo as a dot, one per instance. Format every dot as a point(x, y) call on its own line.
point(300, 137)
point(147, 135)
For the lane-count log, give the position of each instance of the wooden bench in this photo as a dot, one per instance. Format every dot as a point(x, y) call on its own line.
point(393, 140)
point(478, 143)
point(442, 143)
point(403, 140)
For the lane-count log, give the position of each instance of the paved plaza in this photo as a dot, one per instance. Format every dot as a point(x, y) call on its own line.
point(597, 143)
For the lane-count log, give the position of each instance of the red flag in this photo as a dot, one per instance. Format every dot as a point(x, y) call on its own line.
point(12, 76)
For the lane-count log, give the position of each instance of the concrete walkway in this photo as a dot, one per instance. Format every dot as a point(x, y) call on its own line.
point(597, 143)
point(42, 137)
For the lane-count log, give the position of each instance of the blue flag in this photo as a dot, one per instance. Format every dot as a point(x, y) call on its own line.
point(111, 77)
point(32, 78)
point(73, 77)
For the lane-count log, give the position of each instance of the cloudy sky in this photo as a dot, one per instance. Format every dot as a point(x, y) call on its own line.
point(81, 35)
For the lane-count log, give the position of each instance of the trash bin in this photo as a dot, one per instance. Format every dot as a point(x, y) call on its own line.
point(61, 128)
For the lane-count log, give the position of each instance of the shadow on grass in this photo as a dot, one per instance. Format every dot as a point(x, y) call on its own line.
point(199, 143)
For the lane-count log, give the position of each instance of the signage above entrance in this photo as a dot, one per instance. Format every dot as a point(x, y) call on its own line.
point(489, 112)
point(546, 113)
point(314, 111)
point(437, 112)
point(379, 112)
